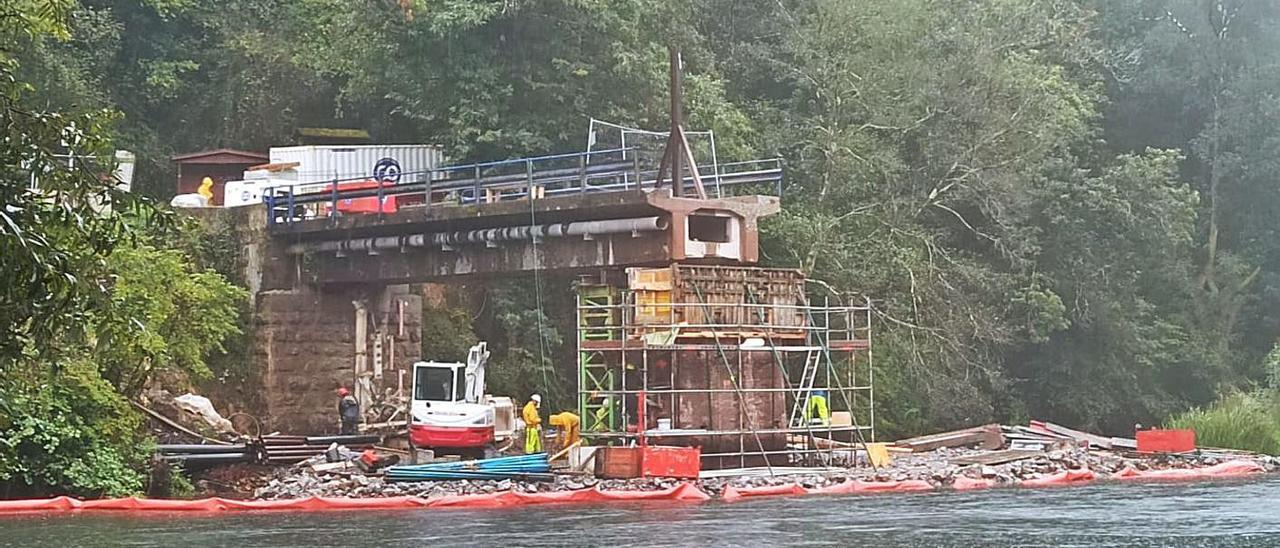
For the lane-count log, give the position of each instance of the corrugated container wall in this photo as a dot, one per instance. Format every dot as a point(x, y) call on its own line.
point(326, 162)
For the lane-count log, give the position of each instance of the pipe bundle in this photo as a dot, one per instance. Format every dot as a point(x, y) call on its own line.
point(525, 467)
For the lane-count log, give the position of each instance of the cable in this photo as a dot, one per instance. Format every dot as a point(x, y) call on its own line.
point(537, 289)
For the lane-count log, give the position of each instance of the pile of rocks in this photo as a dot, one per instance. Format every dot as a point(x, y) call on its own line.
point(936, 467)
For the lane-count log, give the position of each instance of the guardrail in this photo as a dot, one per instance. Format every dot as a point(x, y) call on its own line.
point(489, 182)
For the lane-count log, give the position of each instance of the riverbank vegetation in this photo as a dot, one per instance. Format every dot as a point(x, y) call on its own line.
point(1063, 209)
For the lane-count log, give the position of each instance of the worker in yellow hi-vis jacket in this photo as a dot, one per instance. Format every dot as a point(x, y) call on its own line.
point(818, 409)
point(532, 425)
point(569, 425)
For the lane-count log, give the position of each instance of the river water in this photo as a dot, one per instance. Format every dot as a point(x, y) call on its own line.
point(1229, 514)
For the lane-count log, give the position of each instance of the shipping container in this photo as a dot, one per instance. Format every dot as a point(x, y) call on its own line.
point(396, 164)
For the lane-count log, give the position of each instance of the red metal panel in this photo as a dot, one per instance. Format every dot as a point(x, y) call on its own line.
point(442, 436)
point(363, 205)
point(1166, 441)
point(671, 462)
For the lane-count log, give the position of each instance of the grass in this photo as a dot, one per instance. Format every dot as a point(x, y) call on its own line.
point(1246, 421)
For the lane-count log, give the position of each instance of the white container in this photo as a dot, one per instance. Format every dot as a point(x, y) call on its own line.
point(664, 424)
point(397, 163)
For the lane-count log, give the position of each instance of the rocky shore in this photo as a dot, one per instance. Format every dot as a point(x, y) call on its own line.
point(936, 467)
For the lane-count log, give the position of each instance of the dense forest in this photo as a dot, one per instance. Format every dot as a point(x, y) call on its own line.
point(1063, 209)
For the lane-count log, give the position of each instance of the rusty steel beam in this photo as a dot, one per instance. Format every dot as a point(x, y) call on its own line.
point(432, 264)
point(571, 233)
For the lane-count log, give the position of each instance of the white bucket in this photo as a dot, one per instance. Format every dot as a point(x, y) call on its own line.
point(664, 424)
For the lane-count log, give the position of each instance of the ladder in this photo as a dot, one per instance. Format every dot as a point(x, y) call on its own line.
point(812, 362)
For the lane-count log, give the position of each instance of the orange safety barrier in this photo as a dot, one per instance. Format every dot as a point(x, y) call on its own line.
point(683, 492)
point(1065, 477)
point(1227, 469)
point(963, 483)
point(732, 493)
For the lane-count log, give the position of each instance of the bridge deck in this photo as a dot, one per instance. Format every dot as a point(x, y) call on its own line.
point(498, 190)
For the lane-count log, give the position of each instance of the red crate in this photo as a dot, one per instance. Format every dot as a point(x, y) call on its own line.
point(1166, 441)
point(618, 462)
point(671, 462)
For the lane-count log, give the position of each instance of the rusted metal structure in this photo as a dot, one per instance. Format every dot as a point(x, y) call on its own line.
point(726, 358)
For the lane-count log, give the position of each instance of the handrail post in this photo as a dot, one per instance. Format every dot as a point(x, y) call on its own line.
point(333, 201)
point(635, 166)
point(476, 192)
point(427, 202)
point(289, 215)
point(582, 173)
point(270, 200)
point(528, 176)
point(381, 194)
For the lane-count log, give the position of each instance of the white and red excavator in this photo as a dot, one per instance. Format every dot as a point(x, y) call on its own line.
point(450, 411)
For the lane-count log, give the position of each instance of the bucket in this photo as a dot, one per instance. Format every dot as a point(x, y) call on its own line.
point(664, 424)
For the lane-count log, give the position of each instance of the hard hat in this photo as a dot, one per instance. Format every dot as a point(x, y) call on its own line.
point(536, 398)
point(343, 392)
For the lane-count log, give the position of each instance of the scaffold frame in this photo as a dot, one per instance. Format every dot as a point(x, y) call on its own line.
point(632, 348)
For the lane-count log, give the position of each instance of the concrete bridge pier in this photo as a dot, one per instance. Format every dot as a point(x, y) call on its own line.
point(308, 343)
point(307, 340)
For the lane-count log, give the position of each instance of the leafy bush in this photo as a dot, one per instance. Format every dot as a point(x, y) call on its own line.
point(70, 432)
point(1244, 421)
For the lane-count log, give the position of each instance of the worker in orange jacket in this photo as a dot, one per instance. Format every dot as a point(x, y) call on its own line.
point(532, 425)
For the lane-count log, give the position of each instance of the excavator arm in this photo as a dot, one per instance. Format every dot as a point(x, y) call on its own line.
point(477, 358)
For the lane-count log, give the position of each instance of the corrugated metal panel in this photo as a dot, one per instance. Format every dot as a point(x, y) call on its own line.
point(326, 162)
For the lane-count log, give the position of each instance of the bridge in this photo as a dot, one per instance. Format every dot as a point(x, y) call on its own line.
point(569, 212)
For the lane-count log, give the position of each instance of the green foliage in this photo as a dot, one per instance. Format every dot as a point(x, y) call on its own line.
point(447, 334)
point(163, 315)
point(89, 309)
point(73, 434)
point(524, 360)
point(1250, 422)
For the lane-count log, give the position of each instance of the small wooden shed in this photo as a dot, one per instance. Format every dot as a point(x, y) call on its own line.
point(222, 165)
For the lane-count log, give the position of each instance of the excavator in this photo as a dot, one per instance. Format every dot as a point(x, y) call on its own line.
point(450, 412)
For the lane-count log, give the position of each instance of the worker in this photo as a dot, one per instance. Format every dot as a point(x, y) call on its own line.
point(348, 412)
point(817, 411)
point(569, 425)
point(206, 189)
point(532, 425)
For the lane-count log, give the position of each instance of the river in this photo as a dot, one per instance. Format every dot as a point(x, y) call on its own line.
point(1230, 514)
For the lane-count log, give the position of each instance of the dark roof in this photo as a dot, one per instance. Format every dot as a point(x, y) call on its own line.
point(333, 132)
point(221, 156)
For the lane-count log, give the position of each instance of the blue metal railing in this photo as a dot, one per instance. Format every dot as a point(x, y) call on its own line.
point(503, 180)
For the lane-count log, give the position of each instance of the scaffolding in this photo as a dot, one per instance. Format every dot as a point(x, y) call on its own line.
point(730, 359)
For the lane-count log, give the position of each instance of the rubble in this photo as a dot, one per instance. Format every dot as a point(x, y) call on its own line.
point(935, 467)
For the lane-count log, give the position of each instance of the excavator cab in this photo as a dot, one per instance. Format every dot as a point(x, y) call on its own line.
point(448, 414)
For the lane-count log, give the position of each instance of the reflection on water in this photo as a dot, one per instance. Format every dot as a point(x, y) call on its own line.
point(1236, 514)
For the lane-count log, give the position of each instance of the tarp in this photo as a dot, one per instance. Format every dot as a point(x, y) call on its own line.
point(684, 492)
point(1223, 470)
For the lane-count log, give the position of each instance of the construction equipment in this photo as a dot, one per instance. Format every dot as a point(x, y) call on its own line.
point(450, 411)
